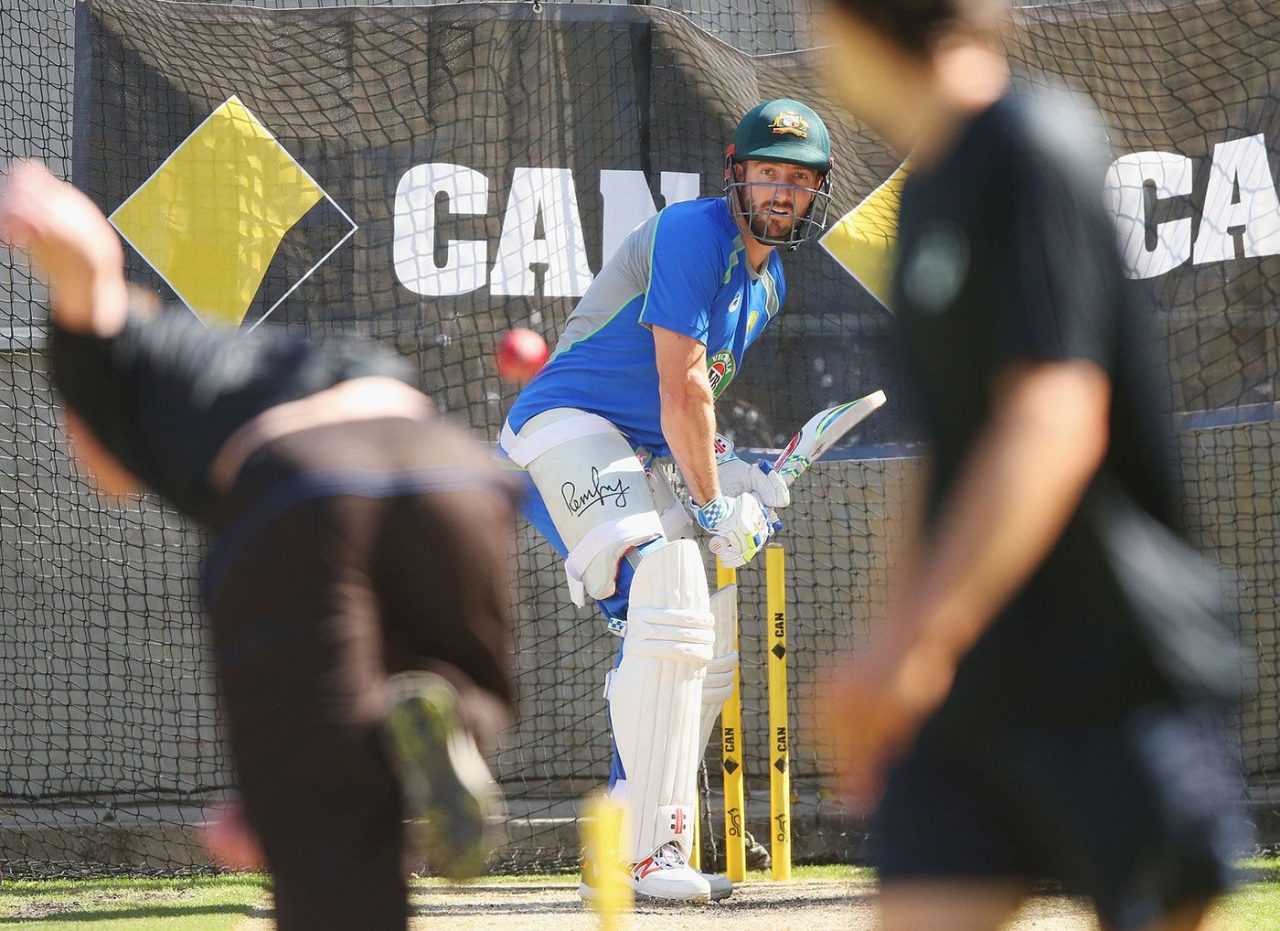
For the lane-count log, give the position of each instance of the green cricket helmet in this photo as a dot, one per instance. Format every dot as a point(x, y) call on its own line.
point(784, 131)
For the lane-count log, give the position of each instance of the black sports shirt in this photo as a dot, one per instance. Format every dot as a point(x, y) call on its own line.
point(166, 393)
point(1008, 255)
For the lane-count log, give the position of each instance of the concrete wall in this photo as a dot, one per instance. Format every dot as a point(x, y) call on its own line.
point(1233, 487)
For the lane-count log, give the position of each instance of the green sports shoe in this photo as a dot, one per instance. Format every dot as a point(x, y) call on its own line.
point(449, 796)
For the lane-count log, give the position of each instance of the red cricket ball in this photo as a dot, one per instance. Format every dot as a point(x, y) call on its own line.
point(520, 354)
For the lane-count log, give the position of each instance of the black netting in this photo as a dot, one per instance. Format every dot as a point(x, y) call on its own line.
point(108, 721)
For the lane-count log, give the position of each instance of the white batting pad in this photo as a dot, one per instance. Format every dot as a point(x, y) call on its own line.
point(655, 695)
point(718, 685)
point(595, 490)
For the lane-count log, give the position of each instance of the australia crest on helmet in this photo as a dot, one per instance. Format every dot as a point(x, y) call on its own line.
point(790, 123)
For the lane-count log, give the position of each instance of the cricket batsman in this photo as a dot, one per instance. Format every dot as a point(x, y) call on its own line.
point(656, 339)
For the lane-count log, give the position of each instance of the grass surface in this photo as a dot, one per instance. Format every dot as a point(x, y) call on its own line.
point(204, 903)
point(219, 903)
point(1256, 905)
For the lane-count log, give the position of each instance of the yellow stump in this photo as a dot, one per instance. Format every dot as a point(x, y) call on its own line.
point(779, 736)
point(735, 802)
point(602, 837)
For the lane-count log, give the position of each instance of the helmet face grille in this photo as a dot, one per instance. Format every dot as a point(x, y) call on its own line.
point(804, 227)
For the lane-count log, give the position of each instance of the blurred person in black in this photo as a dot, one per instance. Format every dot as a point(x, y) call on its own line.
point(358, 579)
point(1048, 691)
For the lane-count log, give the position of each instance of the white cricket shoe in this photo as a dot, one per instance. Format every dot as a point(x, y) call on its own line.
point(721, 887)
point(666, 874)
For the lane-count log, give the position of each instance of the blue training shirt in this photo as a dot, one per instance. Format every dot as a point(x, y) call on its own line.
point(684, 270)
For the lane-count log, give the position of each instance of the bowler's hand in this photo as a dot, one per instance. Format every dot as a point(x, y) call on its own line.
point(70, 245)
point(230, 839)
point(875, 705)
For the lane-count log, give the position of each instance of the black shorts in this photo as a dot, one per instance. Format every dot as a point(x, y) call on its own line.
point(1142, 814)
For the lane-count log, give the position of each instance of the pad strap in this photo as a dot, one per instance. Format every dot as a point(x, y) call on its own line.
point(619, 535)
point(522, 450)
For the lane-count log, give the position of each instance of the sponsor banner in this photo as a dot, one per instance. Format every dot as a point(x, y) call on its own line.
point(435, 175)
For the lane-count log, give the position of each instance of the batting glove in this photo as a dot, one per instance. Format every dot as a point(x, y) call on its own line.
point(738, 527)
point(737, 477)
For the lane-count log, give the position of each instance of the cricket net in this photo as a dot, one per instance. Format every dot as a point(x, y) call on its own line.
point(108, 715)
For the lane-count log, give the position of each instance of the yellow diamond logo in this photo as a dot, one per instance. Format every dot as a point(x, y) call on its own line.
point(211, 219)
point(863, 240)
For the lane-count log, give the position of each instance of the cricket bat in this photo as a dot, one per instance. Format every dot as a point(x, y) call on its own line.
point(822, 431)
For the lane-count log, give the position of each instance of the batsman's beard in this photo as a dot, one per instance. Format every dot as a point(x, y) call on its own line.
point(760, 217)
point(760, 224)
